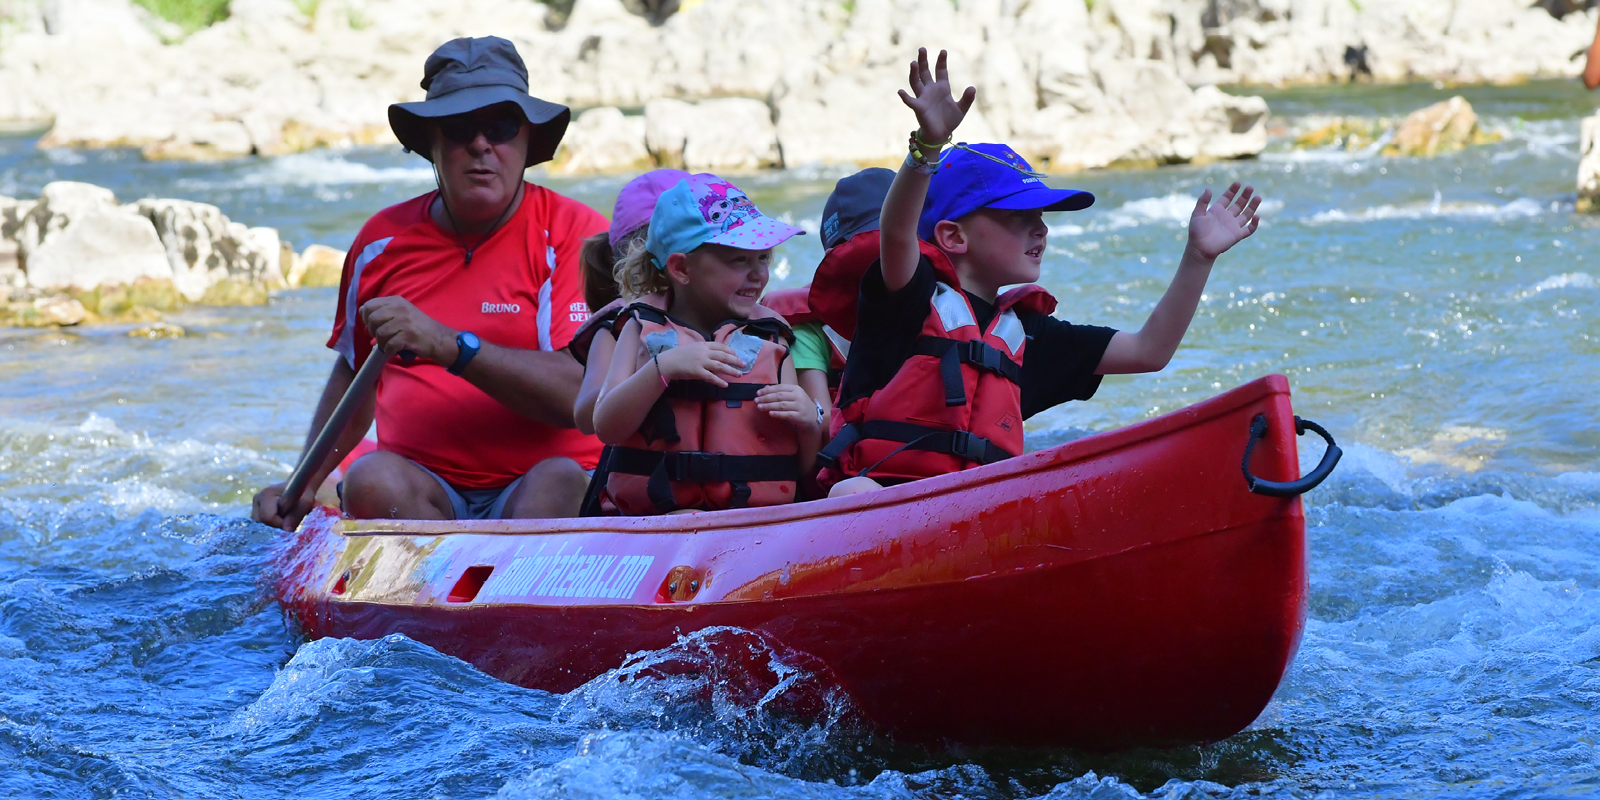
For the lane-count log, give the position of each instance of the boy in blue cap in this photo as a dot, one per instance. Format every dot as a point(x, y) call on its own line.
point(945, 367)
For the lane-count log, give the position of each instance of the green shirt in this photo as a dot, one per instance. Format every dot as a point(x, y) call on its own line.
point(811, 348)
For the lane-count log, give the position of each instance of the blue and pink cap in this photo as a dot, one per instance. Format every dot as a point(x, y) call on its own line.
point(705, 209)
point(977, 176)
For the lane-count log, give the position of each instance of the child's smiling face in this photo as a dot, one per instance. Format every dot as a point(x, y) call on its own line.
point(724, 282)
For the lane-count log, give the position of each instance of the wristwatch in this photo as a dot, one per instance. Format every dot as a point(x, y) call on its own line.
point(468, 343)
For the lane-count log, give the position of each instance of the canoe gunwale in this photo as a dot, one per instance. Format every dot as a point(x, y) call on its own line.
point(1064, 455)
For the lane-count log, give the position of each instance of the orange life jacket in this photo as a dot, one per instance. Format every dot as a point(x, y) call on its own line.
point(954, 404)
point(794, 306)
point(609, 318)
point(703, 446)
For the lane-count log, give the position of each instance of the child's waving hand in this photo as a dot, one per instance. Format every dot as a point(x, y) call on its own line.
point(938, 112)
point(1215, 228)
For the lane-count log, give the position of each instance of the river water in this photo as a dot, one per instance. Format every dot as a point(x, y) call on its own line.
point(1441, 317)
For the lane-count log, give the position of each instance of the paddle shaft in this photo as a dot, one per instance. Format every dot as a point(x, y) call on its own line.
point(360, 388)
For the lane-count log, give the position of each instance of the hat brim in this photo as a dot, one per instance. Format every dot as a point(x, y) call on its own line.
point(1044, 198)
point(410, 121)
point(760, 233)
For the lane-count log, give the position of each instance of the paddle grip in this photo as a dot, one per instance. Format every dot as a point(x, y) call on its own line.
point(1294, 488)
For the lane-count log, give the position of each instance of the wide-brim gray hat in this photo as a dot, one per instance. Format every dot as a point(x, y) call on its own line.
point(467, 74)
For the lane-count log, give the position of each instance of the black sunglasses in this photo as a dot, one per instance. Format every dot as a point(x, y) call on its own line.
point(463, 128)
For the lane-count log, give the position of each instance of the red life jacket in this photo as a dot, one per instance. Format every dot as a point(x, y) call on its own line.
point(794, 306)
point(954, 404)
point(609, 318)
point(703, 446)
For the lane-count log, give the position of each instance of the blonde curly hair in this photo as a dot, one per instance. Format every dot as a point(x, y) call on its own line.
point(636, 274)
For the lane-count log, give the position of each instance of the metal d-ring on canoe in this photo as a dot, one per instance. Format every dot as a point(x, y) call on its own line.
point(1119, 590)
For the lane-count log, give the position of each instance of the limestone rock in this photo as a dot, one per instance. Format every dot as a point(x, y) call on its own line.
point(603, 140)
point(727, 134)
point(103, 245)
point(204, 142)
point(55, 310)
point(60, 204)
point(159, 330)
point(1589, 165)
point(204, 247)
point(318, 265)
point(1440, 128)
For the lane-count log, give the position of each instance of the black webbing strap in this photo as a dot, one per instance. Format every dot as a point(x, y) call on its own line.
point(953, 353)
point(706, 391)
point(692, 466)
point(597, 483)
point(962, 444)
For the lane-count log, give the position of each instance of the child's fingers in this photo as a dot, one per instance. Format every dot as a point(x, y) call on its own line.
point(906, 98)
point(1203, 203)
point(915, 79)
point(1237, 207)
point(967, 97)
point(712, 377)
point(1228, 194)
point(1255, 222)
point(941, 71)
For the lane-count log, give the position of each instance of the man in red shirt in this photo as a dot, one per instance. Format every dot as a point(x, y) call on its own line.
point(478, 287)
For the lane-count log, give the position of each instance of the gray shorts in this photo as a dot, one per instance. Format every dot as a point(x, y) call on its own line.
point(478, 503)
point(475, 503)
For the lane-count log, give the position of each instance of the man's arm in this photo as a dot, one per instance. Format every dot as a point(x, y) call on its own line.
point(539, 385)
point(264, 508)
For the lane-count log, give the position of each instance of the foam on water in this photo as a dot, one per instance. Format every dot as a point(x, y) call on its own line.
point(328, 168)
point(1438, 207)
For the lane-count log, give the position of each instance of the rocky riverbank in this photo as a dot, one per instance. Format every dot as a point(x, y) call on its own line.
point(747, 84)
point(75, 255)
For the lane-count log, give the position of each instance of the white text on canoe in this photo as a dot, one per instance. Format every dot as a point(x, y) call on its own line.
point(571, 575)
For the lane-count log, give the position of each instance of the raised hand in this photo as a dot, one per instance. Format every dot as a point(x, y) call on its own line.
point(938, 112)
point(1215, 228)
point(701, 361)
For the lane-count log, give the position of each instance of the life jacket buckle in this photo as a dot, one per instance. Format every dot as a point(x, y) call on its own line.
point(967, 446)
point(982, 356)
point(694, 466)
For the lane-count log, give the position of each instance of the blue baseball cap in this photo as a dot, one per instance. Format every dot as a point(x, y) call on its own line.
point(705, 209)
point(976, 176)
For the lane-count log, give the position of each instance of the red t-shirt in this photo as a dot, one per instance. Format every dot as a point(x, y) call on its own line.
point(524, 289)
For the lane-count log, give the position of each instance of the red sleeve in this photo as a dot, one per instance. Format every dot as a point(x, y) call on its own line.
point(574, 222)
point(349, 336)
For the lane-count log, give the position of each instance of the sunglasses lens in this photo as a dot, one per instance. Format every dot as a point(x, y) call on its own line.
point(458, 129)
point(463, 129)
point(501, 129)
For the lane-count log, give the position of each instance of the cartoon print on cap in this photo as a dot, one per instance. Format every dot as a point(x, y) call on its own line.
point(725, 207)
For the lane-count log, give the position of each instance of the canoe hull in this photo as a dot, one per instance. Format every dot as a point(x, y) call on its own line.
point(1121, 590)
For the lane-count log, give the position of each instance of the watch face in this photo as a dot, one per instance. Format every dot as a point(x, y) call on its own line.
point(470, 339)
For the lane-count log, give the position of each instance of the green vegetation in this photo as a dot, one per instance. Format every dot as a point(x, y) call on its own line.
point(190, 15)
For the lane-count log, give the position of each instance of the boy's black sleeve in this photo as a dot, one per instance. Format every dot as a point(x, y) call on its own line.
point(1060, 361)
point(887, 326)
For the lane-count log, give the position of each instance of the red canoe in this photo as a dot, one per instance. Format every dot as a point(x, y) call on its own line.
point(1123, 589)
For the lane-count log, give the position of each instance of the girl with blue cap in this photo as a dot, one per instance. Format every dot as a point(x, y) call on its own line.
point(701, 401)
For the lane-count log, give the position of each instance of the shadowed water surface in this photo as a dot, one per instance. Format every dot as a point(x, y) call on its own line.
point(1439, 316)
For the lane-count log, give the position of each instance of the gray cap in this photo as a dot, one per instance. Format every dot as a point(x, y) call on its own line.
point(854, 205)
point(467, 74)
